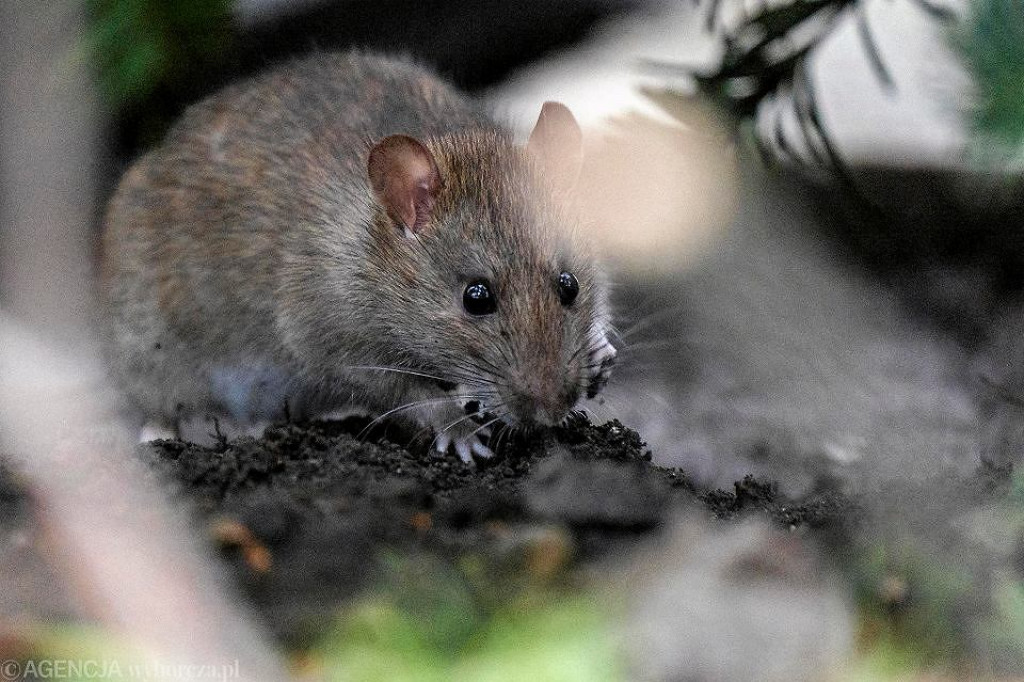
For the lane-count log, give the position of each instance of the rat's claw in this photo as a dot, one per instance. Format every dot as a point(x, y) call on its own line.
point(443, 441)
point(605, 353)
point(602, 360)
point(464, 449)
point(481, 450)
point(464, 446)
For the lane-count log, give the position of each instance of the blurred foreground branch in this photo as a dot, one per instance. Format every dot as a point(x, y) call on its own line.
point(127, 555)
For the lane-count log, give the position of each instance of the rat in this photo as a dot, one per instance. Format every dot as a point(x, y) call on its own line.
point(350, 230)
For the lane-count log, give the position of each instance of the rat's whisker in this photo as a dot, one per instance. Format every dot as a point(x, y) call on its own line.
point(481, 397)
point(644, 345)
point(412, 405)
point(500, 435)
point(583, 346)
point(510, 433)
point(490, 363)
point(444, 430)
point(506, 355)
point(457, 422)
point(469, 371)
point(485, 425)
point(597, 411)
point(473, 380)
point(465, 378)
point(647, 320)
point(493, 368)
point(397, 370)
point(484, 376)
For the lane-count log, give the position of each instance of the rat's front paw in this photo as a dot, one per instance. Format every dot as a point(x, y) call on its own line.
point(463, 425)
point(601, 361)
point(465, 446)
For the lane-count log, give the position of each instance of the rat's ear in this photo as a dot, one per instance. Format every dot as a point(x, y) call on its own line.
point(557, 144)
point(405, 180)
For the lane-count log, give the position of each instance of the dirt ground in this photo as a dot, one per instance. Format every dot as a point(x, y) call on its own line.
point(305, 515)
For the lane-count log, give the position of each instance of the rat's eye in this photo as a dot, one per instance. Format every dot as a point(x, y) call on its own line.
point(568, 288)
point(478, 299)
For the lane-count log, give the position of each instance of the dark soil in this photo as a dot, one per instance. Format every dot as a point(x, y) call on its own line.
point(306, 516)
point(311, 514)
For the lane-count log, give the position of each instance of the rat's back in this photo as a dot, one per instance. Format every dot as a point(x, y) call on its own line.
point(353, 95)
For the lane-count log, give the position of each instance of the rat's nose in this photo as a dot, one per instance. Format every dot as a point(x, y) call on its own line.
point(544, 405)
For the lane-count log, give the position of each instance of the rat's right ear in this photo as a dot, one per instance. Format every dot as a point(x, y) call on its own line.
point(405, 180)
point(557, 144)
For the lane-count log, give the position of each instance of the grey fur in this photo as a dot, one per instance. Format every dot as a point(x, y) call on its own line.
point(247, 263)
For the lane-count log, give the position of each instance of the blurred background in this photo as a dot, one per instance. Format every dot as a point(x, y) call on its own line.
point(812, 210)
point(862, 96)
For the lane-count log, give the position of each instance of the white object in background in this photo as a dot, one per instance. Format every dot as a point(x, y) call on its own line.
point(917, 119)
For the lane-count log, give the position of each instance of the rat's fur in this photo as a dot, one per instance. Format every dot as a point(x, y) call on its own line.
point(247, 262)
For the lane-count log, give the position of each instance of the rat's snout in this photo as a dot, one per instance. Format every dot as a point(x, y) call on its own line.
point(543, 402)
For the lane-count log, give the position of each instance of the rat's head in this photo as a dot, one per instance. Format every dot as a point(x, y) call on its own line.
point(488, 285)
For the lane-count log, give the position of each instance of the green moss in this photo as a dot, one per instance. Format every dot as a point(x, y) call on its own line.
point(992, 45)
point(913, 605)
point(435, 626)
point(137, 46)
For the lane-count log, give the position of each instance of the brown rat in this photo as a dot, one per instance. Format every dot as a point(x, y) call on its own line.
point(350, 230)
